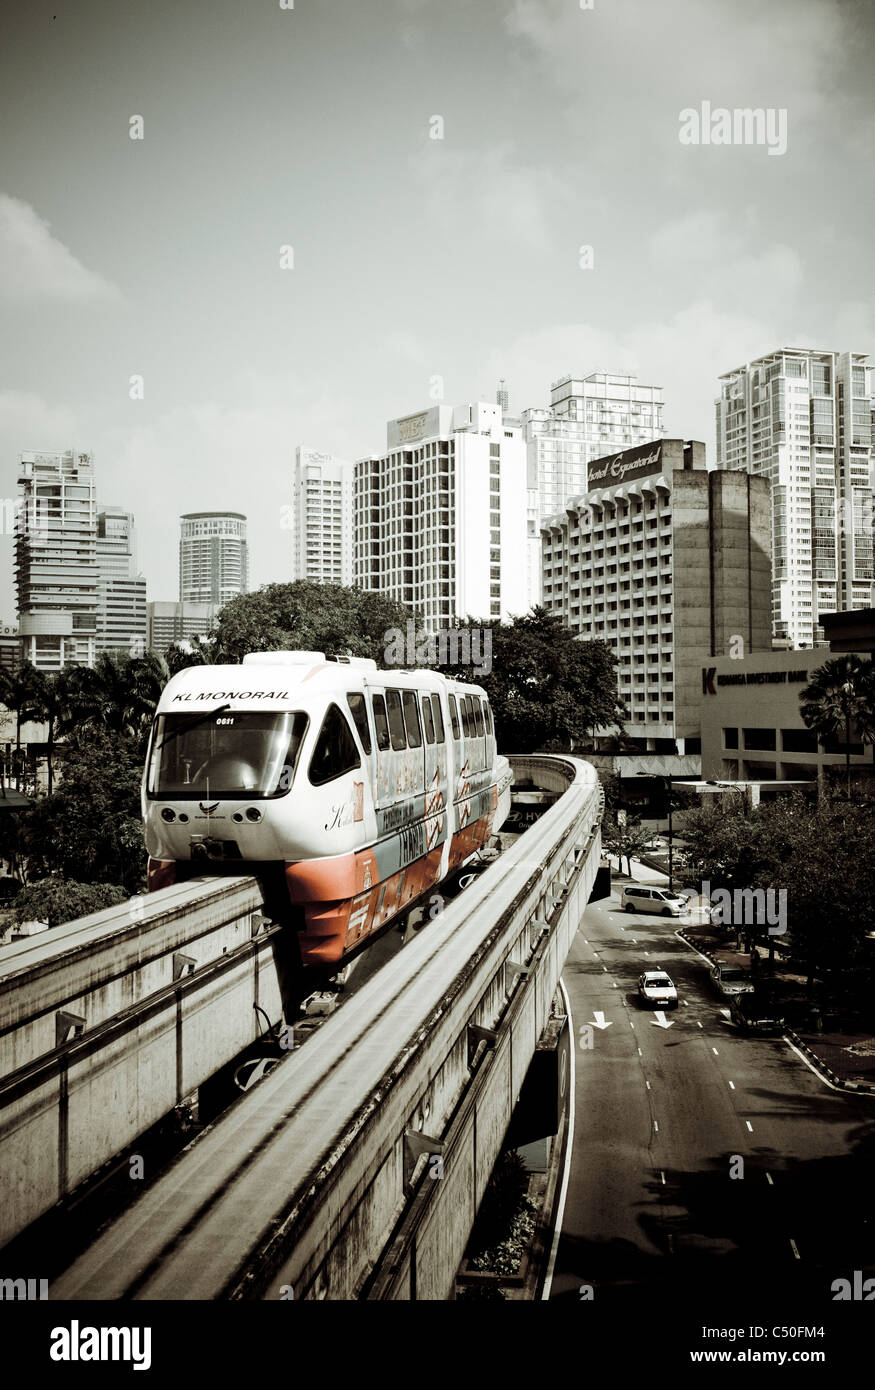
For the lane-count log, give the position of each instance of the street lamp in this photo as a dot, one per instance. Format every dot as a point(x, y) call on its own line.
point(666, 777)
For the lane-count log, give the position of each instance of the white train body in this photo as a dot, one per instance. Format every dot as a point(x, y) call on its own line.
point(363, 787)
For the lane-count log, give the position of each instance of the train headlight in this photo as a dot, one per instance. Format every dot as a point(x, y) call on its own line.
point(183, 816)
point(253, 814)
point(237, 816)
point(168, 813)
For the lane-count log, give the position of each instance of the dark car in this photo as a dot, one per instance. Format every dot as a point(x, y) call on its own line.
point(730, 980)
point(756, 1015)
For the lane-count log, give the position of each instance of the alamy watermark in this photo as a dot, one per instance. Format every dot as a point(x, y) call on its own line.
point(454, 646)
point(757, 907)
point(740, 126)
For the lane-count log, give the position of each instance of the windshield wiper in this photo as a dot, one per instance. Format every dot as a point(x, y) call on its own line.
point(174, 733)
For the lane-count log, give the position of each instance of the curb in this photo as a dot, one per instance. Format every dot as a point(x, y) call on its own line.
point(862, 1088)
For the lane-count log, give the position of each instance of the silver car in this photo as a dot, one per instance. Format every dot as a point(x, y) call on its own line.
point(731, 979)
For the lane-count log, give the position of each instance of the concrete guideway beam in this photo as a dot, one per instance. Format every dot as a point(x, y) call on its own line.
point(303, 1187)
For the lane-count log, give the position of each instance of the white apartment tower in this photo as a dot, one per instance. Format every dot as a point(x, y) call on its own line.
point(802, 418)
point(121, 589)
point(56, 575)
point(589, 417)
point(322, 517)
point(213, 559)
point(440, 518)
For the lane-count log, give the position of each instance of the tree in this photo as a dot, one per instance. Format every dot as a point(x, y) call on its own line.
point(191, 651)
point(821, 859)
point(56, 900)
point(16, 693)
point(841, 694)
point(547, 690)
point(49, 703)
point(624, 839)
point(90, 830)
point(304, 616)
point(118, 694)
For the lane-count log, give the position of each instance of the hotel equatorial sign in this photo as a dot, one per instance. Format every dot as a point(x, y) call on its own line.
point(749, 678)
point(622, 468)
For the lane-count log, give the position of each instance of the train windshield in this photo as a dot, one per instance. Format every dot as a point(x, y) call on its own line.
point(225, 756)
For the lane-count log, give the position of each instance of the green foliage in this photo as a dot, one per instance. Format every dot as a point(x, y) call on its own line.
point(502, 1201)
point(840, 702)
point(90, 830)
point(823, 857)
point(118, 694)
point(56, 900)
point(194, 651)
point(304, 616)
point(547, 690)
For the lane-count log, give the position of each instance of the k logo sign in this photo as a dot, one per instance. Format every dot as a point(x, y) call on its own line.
point(708, 673)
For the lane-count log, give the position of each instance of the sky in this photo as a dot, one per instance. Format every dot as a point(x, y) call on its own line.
point(417, 263)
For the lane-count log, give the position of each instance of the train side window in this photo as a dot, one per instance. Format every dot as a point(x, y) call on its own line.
point(381, 722)
point(487, 715)
point(335, 752)
point(356, 702)
point(438, 718)
point(478, 717)
point(396, 720)
point(411, 718)
point(427, 719)
point(454, 718)
point(467, 717)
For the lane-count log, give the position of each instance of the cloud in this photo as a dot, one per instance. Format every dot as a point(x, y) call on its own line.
point(34, 264)
point(489, 194)
point(723, 253)
point(685, 355)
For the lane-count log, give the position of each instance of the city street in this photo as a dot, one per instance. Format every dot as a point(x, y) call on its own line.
point(665, 1114)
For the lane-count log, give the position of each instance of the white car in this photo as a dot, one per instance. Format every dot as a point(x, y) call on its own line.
point(638, 898)
point(656, 989)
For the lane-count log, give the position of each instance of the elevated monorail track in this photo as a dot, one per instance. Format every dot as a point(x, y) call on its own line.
point(318, 1183)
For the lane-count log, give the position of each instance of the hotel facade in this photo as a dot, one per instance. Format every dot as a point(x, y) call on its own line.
point(668, 564)
point(440, 517)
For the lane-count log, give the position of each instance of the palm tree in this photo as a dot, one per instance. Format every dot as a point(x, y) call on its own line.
point(841, 694)
point(49, 702)
point(190, 651)
point(16, 693)
point(118, 693)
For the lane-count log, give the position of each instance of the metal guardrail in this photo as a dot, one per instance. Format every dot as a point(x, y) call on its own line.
point(323, 1181)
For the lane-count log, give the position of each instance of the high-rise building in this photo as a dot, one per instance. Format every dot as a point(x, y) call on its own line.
point(56, 575)
point(213, 559)
point(10, 648)
point(440, 518)
point(322, 517)
point(668, 564)
point(121, 591)
point(177, 622)
point(589, 417)
point(802, 419)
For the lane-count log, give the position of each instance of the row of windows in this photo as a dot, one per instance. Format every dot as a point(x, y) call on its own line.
point(400, 721)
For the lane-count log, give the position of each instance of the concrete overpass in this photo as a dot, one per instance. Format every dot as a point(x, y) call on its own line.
point(321, 1182)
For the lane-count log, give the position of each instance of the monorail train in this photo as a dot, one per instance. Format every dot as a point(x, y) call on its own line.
point(361, 788)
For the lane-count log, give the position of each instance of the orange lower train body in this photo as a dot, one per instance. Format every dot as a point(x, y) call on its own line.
point(342, 899)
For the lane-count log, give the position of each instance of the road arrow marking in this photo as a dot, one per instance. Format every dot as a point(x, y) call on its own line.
point(659, 1021)
point(599, 1020)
